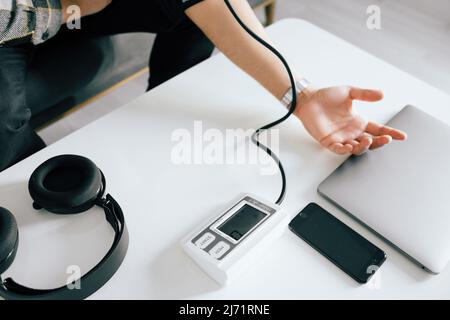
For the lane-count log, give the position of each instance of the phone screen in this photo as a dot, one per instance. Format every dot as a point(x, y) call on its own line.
point(354, 254)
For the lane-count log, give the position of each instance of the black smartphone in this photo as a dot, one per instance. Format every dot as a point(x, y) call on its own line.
point(347, 249)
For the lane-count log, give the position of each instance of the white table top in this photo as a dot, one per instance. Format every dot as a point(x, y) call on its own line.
point(163, 202)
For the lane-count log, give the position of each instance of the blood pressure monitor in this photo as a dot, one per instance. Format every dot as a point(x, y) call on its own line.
point(229, 242)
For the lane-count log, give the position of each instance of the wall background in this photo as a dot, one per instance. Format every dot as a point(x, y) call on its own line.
point(415, 34)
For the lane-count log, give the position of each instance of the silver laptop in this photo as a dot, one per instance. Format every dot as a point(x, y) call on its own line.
point(402, 191)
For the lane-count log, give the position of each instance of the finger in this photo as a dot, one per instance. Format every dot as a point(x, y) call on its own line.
point(381, 141)
point(364, 143)
point(366, 94)
point(354, 143)
point(340, 148)
point(339, 136)
point(377, 129)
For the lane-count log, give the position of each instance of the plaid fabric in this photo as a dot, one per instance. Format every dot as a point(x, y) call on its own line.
point(24, 21)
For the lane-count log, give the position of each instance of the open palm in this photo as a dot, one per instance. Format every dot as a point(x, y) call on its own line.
point(328, 116)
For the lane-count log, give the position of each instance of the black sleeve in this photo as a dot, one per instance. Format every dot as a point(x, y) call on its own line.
point(185, 4)
point(174, 9)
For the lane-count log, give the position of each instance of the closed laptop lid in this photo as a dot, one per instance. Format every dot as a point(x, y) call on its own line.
point(402, 191)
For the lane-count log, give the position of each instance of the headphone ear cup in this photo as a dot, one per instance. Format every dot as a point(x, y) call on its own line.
point(9, 239)
point(65, 184)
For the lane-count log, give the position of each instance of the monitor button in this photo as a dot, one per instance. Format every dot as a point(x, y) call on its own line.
point(219, 249)
point(205, 240)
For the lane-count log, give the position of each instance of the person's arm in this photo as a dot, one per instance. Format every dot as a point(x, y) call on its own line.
point(215, 20)
point(327, 113)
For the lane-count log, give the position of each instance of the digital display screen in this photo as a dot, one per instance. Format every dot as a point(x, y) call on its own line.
point(242, 222)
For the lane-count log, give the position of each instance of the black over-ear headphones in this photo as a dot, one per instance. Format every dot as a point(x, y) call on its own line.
point(66, 184)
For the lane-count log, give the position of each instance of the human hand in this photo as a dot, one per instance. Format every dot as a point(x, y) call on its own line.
point(87, 7)
point(328, 116)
